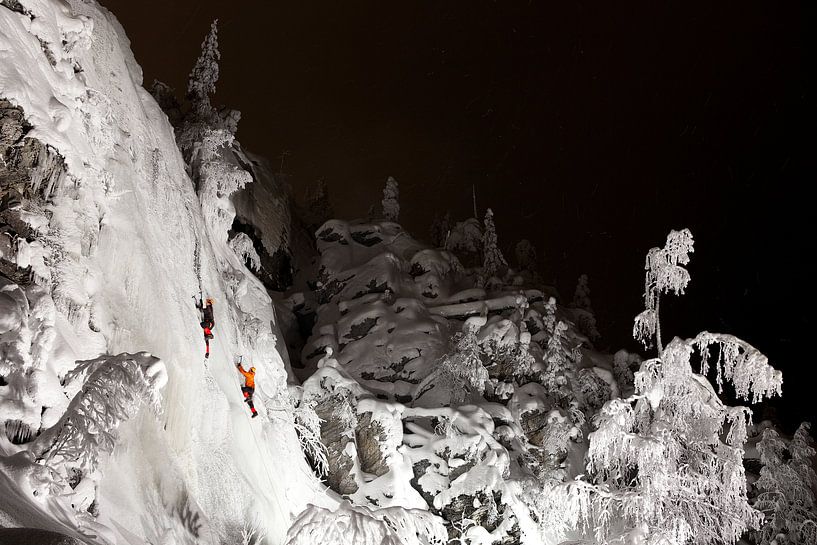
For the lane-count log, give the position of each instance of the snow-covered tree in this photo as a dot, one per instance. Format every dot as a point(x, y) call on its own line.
point(666, 464)
point(670, 457)
point(461, 371)
point(581, 297)
point(493, 262)
point(559, 371)
point(165, 97)
point(203, 77)
point(440, 227)
point(664, 274)
point(549, 318)
point(526, 257)
point(391, 200)
point(218, 179)
point(318, 206)
point(786, 490)
point(307, 425)
point(583, 309)
point(114, 390)
point(595, 391)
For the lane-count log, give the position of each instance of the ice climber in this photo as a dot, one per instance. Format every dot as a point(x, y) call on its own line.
point(249, 386)
point(207, 322)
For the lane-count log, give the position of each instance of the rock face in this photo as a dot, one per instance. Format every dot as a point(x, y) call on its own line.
point(370, 435)
point(28, 168)
point(337, 436)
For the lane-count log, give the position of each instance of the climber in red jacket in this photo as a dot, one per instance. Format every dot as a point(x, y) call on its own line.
point(207, 322)
point(249, 386)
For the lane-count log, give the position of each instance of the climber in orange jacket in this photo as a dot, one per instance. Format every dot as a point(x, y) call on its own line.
point(249, 386)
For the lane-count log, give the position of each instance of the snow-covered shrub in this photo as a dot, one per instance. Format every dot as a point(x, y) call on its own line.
point(786, 490)
point(623, 364)
point(594, 390)
point(362, 526)
point(664, 274)
point(391, 200)
point(111, 390)
point(307, 425)
point(252, 533)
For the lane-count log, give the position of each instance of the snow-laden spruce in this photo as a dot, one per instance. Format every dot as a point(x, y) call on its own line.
point(391, 200)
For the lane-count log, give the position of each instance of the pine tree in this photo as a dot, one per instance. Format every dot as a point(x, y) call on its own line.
point(493, 262)
point(391, 200)
point(203, 77)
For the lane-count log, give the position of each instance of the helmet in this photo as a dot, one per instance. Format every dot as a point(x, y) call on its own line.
point(252, 369)
point(209, 301)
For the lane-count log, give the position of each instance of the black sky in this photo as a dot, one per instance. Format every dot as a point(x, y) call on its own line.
point(591, 130)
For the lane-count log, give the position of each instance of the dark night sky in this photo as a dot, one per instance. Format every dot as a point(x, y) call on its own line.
point(590, 130)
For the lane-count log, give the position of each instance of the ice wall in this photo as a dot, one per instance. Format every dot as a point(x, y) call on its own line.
point(115, 246)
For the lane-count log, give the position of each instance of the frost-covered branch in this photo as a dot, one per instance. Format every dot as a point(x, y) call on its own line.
point(114, 390)
point(739, 363)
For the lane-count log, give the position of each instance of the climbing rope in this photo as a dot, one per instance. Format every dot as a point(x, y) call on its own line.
point(197, 262)
point(266, 470)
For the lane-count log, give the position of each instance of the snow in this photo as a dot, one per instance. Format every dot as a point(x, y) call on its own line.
point(352, 524)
